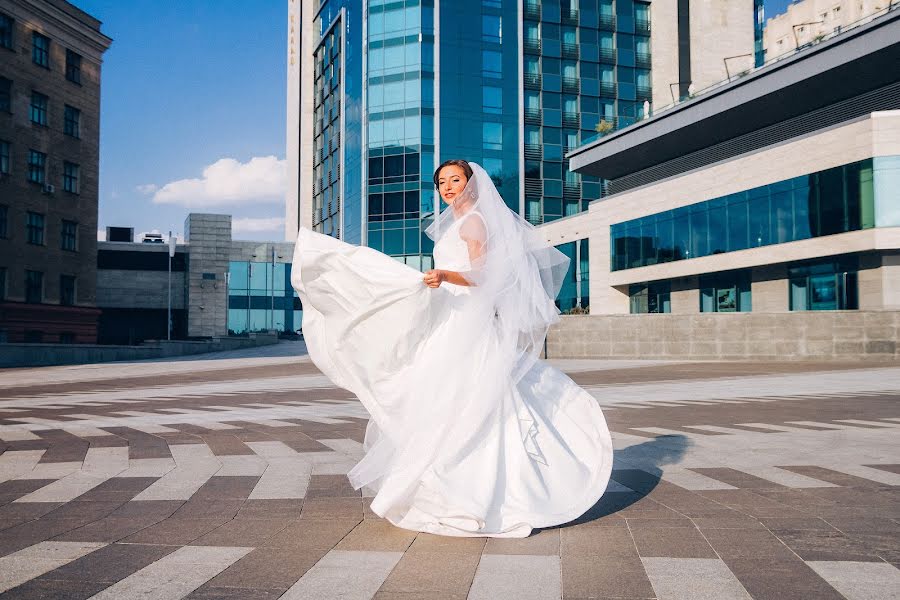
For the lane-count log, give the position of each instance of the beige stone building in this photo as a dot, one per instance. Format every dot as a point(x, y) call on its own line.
point(809, 20)
point(774, 198)
point(50, 62)
point(698, 43)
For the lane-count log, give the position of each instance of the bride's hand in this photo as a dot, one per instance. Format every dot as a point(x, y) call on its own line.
point(434, 278)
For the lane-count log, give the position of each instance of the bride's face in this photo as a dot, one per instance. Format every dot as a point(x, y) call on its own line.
point(451, 182)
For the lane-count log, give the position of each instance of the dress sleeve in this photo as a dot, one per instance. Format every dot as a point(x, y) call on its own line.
point(473, 231)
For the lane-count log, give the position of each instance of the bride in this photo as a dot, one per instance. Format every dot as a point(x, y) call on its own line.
point(470, 433)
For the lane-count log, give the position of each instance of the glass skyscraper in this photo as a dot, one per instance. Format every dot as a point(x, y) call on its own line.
point(400, 86)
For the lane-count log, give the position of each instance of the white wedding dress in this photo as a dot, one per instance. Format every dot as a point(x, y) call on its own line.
point(455, 445)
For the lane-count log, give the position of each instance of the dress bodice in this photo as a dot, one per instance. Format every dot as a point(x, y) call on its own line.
point(451, 252)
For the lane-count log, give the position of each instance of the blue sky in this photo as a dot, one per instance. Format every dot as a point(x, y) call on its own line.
point(184, 85)
point(191, 84)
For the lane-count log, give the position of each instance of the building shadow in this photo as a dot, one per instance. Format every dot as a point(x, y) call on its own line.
point(638, 468)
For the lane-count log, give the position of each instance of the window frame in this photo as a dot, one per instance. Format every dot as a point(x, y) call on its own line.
point(4, 221)
point(40, 55)
point(5, 157)
point(6, 97)
point(35, 228)
point(39, 106)
point(71, 177)
point(68, 236)
point(70, 291)
point(7, 35)
point(72, 121)
point(73, 66)
point(30, 276)
point(35, 175)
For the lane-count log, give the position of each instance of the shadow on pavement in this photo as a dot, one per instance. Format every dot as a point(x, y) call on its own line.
point(639, 468)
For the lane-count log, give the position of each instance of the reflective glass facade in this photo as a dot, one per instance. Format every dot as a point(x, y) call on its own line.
point(337, 160)
point(586, 69)
point(825, 285)
point(401, 85)
point(827, 202)
point(575, 291)
point(650, 297)
point(479, 89)
point(260, 297)
point(726, 292)
point(400, 130)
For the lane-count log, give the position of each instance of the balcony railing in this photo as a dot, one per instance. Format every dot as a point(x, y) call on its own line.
point(570, 50)
point(642, 59)
point(608, 22)
point(532, 46)
point(532, 81)
point(533, 116)
point(608, 56)
point(569, 16)
point(533, 10)
point(571, 190)
point(642, 25)
point(643, 92)
point(534, 187)
point(608, 89)
point(570, 85)
point(571, 119)
point(534, 152)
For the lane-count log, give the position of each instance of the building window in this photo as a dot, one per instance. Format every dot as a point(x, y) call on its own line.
point(6, 31)
point(491, 30)
point(824, 286)
point(34, 287)
point(71, 172)
point(2, 283)
point(492, 65)
point(5, 94)
point(69, 235)
point(72, 122)
point(4, 157)
point(4, 221)
point(40, 50)
point(67, 290)
point(726, 292)
point(833, 201)
point(37, 166)
point(650, 298)
point(73, 67)
point(492, 136)
point(39, 108)
point(34, 228)
point(492, 99)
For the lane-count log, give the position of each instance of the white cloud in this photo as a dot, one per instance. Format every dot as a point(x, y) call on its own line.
point(256, 225)
point(228, 182)
point(147, 188)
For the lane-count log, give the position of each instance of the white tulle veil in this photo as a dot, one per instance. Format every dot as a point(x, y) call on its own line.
point(515, 273)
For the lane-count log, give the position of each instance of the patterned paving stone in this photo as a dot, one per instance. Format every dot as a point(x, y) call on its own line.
point(227, 479)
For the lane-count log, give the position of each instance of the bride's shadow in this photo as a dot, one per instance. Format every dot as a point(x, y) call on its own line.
point(638, 468)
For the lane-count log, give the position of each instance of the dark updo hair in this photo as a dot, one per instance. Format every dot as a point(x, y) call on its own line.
point(453, 162)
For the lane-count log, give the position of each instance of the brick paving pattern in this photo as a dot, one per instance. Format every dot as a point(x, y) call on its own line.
point(225, 478)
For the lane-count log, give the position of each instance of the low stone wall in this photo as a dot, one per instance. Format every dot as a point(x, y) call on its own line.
point(825, 335)
point(42, 355)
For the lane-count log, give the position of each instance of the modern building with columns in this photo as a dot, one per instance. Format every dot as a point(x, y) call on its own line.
point(773, 197)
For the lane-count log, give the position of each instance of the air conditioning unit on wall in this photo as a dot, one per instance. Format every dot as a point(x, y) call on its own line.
point(49, 188)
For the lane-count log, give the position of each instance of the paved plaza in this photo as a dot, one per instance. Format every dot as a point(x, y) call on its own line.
point(224, 477)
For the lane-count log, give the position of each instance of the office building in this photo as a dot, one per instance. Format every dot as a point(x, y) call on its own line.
point(380, 93)
point(50, 63)
point(776, 193)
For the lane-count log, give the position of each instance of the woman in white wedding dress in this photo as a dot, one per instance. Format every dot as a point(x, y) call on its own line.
point(470, 433)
